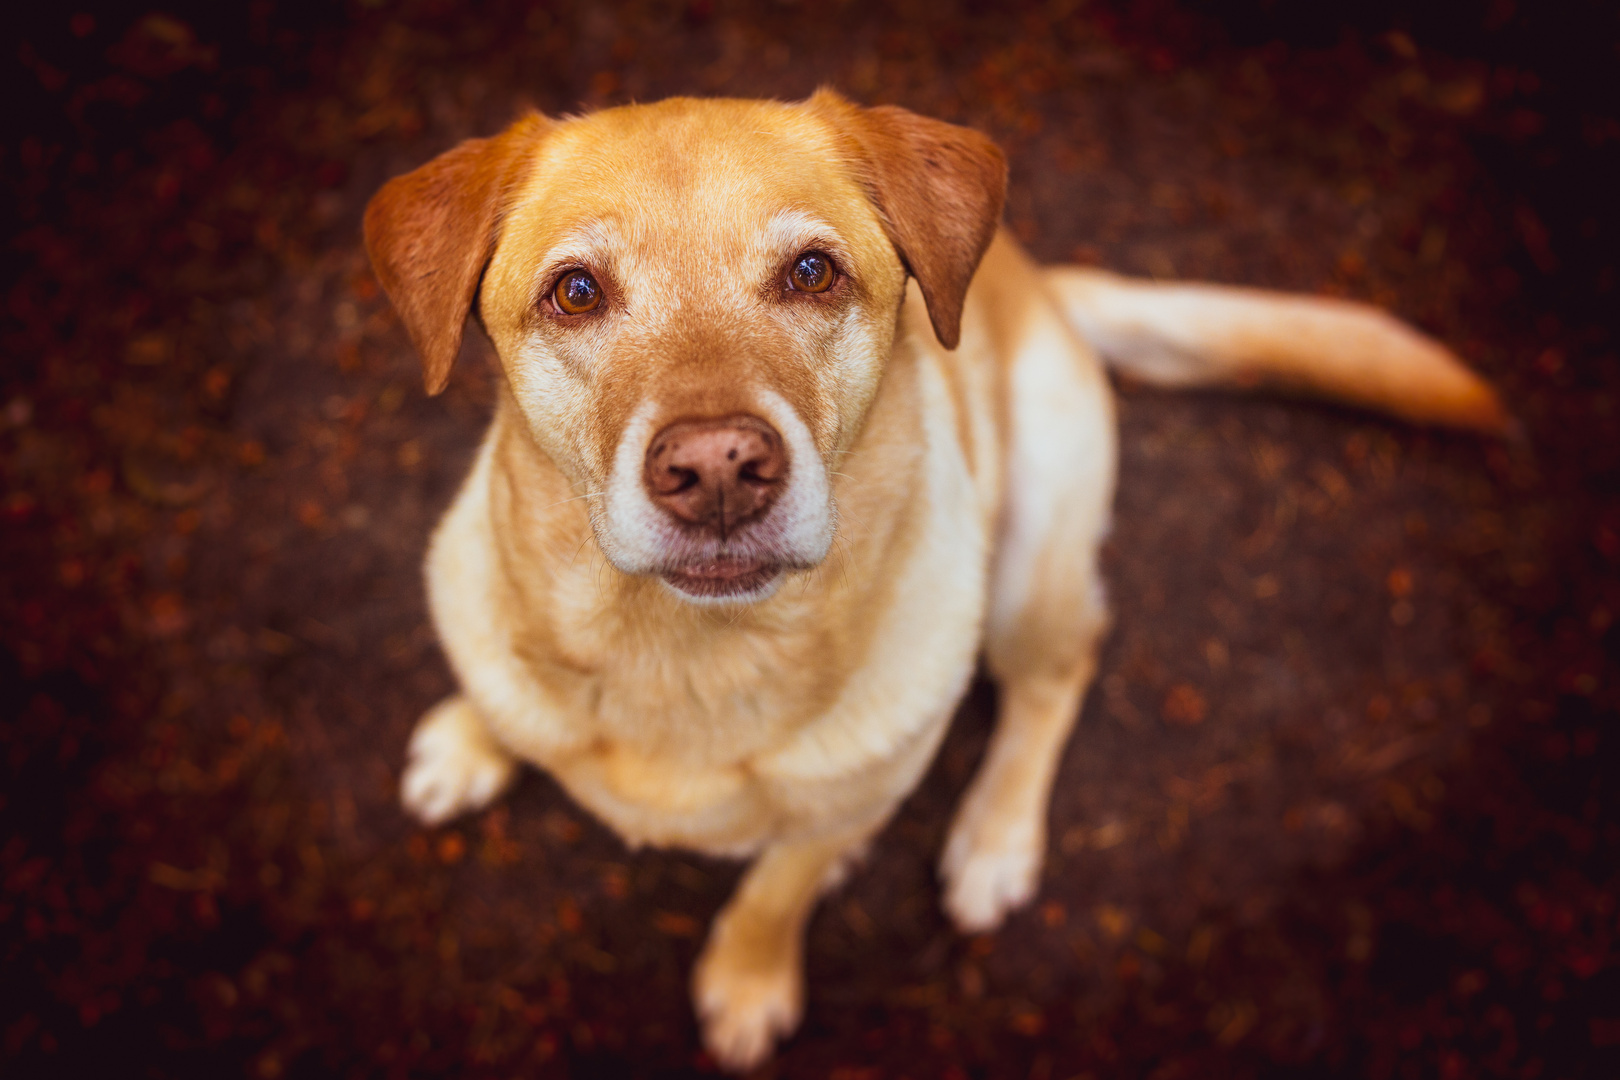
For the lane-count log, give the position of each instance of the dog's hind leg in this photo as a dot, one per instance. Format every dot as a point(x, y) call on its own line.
point(454, 765)
point(748, 985)
point(1047, 616)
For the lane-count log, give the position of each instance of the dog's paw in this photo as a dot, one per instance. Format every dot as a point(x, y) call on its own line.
point(454, 766)
point(989, 870)
point(745, 1004)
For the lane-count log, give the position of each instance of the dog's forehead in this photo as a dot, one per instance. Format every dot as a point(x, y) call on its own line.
point(721, 173)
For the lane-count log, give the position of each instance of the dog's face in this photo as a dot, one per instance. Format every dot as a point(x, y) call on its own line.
point(693, 303)
point(693, 336)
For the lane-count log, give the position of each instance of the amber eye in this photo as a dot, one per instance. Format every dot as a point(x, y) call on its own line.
point(812, 272)
point(577, 292)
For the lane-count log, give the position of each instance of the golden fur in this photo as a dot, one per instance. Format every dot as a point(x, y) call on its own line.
point(953, 466)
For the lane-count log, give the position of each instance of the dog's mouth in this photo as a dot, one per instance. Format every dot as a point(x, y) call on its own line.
point(724, 576)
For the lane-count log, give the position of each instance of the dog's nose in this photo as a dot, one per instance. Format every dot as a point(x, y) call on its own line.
point(716, 474)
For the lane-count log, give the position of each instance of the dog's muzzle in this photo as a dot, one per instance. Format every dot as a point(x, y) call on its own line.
point(716, 480)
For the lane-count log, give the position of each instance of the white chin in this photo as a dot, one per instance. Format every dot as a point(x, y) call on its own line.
point(707, 592)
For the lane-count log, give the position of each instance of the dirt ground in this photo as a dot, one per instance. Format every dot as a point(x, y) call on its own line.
point(1343, 802)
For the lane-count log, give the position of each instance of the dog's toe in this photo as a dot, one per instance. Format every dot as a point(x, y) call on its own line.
point(745, 1008)
point(987, 876)
point(454, 766)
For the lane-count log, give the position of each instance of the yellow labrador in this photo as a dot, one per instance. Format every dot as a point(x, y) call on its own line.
point(789, 435)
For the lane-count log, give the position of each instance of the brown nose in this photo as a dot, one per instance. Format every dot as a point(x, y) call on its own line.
point(716, 474)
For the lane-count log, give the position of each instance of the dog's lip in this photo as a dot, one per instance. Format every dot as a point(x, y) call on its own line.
point(726, 575)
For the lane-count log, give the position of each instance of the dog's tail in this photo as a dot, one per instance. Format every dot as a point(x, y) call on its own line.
point(1214, 335)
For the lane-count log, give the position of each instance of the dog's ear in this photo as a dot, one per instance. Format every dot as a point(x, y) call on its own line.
point(431, 232)
point(939, 187)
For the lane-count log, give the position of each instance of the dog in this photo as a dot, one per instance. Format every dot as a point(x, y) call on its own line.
point(790, 435)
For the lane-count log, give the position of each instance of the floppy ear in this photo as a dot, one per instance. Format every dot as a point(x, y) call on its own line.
point(431, 232)
point(940, 188)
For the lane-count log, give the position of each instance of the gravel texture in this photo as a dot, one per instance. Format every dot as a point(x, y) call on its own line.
point(1343, 802)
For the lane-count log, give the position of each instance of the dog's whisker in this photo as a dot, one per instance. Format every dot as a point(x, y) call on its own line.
point(572, 498)
point(848, 562)
point(846, 516)
point(582, 543)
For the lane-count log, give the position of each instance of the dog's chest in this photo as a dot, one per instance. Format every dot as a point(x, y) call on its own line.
point(697, 696)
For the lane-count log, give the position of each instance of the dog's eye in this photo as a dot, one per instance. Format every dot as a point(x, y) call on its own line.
point(577, 293)
point(812, 272)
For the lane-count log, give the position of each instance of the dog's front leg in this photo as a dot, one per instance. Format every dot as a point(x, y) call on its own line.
point(748, 985)
point(992, 859)
point(455, 765)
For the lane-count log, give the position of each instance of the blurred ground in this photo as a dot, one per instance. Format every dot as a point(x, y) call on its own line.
point(1343, 803)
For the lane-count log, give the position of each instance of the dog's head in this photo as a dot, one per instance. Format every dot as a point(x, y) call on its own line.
point(693, 303)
